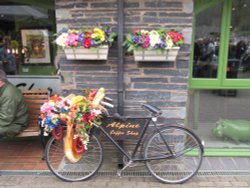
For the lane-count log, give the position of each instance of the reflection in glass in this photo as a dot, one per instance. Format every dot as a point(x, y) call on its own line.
point(206, 47)
point(220, 117)
point(14, 17)
point(239, 52)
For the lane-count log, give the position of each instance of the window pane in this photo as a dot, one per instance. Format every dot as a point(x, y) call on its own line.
point(206, 47)
point(221, 117)
point(239, 53)
point(26, 30)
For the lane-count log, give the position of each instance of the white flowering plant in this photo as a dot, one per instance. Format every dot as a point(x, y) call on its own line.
point(155, 39)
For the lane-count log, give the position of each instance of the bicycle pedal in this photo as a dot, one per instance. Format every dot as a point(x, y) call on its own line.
point(119, 173)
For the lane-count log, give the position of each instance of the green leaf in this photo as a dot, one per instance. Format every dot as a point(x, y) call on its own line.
point(131, 48)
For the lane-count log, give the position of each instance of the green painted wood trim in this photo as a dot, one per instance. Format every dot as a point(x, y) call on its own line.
point(199, 83)
point(191, 56)
point(224, 41)
point(228, 84)
point(222, 152)
point(226, 152)
point(196, 109)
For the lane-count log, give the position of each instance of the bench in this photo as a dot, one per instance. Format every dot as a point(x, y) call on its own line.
point(34, 99)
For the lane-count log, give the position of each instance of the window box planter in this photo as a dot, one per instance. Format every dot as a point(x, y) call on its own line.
point(80, 53)
point(156, 55)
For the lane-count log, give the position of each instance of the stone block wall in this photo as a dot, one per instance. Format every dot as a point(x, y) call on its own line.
point(163, 84)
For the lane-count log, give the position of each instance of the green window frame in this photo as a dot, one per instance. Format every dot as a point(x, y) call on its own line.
point(221, 82)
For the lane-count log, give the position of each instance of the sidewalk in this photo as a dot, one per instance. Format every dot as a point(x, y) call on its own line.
point(124, 182)
point(21, 166)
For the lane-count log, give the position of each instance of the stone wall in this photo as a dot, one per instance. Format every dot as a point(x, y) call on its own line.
point(161, 84)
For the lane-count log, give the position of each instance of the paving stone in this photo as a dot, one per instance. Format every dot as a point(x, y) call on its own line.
point(223, 184)
point(206, 184)
point(125, 182)
point(240, 183)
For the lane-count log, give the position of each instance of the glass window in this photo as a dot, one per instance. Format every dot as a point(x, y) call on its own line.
point(206, 44)
point(238, 65)
point(221, 117)
point(26, 30)
point(221, 53)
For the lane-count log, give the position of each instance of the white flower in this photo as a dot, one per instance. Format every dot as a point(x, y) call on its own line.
point(86, 141)
point(154, 38)
point(60, 41)
point(169, 43)
point(97, 112)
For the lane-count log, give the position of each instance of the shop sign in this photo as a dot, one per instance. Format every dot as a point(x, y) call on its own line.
point(119, 129)
point(36, 82)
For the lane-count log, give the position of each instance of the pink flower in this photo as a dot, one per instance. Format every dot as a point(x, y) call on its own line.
point(146, 43)
point(72, 39)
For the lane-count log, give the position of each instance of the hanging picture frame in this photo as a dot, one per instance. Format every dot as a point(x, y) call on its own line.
point(35, 45)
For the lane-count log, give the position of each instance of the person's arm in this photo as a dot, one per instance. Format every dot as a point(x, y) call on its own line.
point(7, 110)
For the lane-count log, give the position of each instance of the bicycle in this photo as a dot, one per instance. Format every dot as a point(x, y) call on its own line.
point(173, 153)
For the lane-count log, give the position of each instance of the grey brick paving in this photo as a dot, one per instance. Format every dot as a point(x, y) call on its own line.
point(28, 181)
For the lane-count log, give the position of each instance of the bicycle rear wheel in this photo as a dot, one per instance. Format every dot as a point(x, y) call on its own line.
point(86, 167)
point(187, 151)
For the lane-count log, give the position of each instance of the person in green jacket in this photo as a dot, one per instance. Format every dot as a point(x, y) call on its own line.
point(13, 109)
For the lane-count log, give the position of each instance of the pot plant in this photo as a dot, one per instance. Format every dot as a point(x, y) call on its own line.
point(154, 45)
point(86, 44)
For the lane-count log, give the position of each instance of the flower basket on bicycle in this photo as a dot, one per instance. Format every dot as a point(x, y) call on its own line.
point(77, 113)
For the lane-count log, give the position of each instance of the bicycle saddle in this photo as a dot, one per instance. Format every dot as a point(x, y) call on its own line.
point(154, 110)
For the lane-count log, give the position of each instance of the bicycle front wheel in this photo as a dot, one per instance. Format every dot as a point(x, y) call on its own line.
point(186, 157)
point(86, 167)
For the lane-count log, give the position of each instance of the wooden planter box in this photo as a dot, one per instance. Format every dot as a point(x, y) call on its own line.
point(80, 53)
point(155, 55)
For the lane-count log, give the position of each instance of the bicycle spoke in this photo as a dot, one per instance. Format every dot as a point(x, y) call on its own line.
point(182, 166)
point(86, 167)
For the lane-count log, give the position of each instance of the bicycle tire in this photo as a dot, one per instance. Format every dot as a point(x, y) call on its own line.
point(85, 168)
point(186, 147)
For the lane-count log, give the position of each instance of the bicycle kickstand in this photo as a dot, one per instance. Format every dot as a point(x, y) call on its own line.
point(119, 171)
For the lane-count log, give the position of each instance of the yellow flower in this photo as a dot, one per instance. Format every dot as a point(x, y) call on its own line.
point(169, 43)
point(78, 99)
point(100, 33)
point(144, 32)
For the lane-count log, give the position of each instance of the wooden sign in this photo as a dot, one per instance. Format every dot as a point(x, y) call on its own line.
point(129, 128)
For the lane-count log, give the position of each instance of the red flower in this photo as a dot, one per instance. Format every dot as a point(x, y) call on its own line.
point(88, 34)
point(55, 98)
point(88, 117)
point(175, 36)
point(87, 43)
point(135, 31)
point(92, 95)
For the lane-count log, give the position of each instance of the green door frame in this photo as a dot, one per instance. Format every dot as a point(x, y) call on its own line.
point(221, 82)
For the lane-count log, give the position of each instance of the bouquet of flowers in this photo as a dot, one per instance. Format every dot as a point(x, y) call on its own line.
point(77, 112)
point(86, 38)
point(154, 39)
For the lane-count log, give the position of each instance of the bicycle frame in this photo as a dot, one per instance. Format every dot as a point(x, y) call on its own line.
point(132, 156)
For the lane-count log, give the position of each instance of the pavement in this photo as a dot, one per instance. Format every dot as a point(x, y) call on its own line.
point(37, 181)
point(21, 167)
